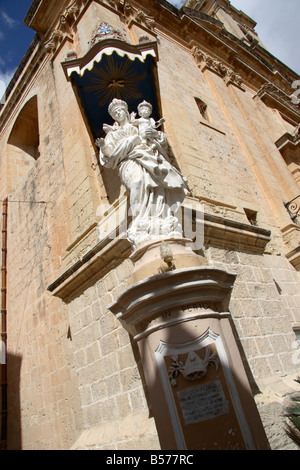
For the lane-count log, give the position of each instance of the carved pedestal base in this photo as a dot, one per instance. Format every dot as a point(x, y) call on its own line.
point(163, 255)
point(197, 386)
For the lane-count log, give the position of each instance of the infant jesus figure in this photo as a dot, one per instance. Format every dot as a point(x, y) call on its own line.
point(145, 122)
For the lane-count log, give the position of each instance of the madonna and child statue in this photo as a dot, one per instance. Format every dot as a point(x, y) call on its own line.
point(139, 150)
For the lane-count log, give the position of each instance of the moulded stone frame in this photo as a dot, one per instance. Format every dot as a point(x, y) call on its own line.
point(205, 339)
point(107, 46)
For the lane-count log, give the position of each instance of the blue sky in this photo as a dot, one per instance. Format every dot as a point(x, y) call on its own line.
point(278, 27)
point(15, 37)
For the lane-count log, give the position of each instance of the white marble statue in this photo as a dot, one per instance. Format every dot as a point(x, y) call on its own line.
point(145, 121)
point(156, 188)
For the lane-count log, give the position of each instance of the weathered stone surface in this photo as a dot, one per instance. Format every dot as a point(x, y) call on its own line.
point(74, 376)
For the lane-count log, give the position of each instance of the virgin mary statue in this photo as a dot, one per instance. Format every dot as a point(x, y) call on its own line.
point(156, 188)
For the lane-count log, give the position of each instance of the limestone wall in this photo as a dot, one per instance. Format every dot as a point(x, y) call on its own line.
point(75, 378)
point(231, 157)
point(114, 405)
point(43, 407)
point(264, 305)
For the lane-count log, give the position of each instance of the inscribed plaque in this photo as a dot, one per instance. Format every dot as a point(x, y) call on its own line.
point(203, 402)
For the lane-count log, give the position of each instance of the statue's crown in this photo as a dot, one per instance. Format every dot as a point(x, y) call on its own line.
point(117, 104)
point(144, 103)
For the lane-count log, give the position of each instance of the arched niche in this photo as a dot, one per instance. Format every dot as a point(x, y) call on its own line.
point(23, 144)
point(113, 68)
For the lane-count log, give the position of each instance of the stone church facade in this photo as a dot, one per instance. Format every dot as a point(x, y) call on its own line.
point(90, 324)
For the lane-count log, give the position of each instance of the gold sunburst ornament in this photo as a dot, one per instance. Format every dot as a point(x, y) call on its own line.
point(115, 80)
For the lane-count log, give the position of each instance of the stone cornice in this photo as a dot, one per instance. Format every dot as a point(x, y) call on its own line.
point(141, 302)
point(291, 238)
point(278, 99)
point(29, 66)
point(205, 61)
point(289, 140)
point(198, 15)
point(244, 58)
point(109, 251)
point(224, 5)
point(42, 16)
point(264, 58)
point(99, 260)
point(229, 234)
point(294, 257)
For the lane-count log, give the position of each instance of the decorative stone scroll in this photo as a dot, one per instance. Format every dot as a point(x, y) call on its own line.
point(64, 27)
point(125, 9)
point(55, 39)
point(205, 61)
point(132, 14)
point(279, 95)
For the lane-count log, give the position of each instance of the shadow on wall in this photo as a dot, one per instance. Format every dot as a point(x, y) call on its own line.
point(23, 145)
point(14, 434)
point(252, 382)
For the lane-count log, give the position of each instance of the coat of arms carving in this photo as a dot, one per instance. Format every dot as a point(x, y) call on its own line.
point(194, 368)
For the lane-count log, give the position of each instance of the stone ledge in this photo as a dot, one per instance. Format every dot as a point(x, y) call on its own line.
point(276, 98)
point(103, 257)
point(229, 234)
point(142, 301)
point(294, 257)
point(287, 141)
point(110, 252)
point(211, 126)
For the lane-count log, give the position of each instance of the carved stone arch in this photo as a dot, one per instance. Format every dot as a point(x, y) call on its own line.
point(23, 144)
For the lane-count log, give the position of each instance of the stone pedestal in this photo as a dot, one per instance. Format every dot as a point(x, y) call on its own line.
point(198, 389)
point(162, 255)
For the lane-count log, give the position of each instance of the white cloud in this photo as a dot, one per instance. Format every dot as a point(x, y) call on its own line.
point(277, 26)
point(8, 20)
point(6, 76)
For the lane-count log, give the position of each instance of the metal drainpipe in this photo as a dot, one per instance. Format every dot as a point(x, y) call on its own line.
point(3, 437)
